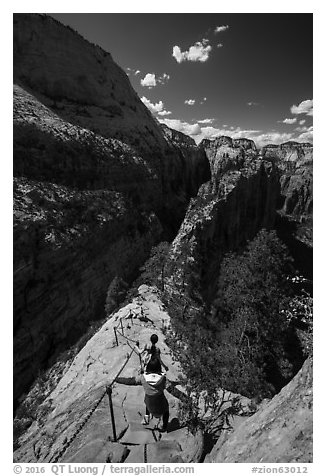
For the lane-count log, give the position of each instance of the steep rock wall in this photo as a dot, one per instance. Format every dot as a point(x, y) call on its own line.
point(226, 154)
point(280, 432)
point(68, 247)
point(97, 184)
point(48, 148)
point(195, 161)
point(239, 200)
point(296, 164)
point(82, 84)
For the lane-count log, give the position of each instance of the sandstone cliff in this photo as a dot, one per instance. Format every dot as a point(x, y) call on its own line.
point(97, 184)
point(295, 162)
point(226, 154)
point(68, 247)
point(195, 164)
point(239, 200)
point(82, 84)
point(280, 432)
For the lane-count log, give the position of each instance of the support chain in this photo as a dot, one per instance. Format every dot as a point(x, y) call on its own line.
point(55, 458)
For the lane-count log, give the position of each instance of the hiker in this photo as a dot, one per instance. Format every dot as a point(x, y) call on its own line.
point(153, 381)
point(151, 351)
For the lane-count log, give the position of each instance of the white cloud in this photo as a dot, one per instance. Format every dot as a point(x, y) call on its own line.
point(185, 127)
point(260, 138)
point(252, 103)
point(133, 71)
point(199, 131)
point(302, 122)
point(198, 52)
point(305, 107)
point(289, 121)
point(157, 108)
point(219, 45)
point(164, 113)
point(305, 137)
point(206, 121)
point(220, 29)
point(306, 134)
point(190, 102)
point(164, 78)
point(149, 80)
point(271, 138)
point(177, 54)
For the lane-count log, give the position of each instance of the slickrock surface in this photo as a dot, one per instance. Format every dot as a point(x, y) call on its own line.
point(280, 432)
point(77, 426)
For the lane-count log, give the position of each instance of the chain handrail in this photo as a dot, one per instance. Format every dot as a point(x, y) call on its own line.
point(56, 456)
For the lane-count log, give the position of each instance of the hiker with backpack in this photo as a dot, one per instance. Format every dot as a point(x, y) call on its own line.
point(153, 381)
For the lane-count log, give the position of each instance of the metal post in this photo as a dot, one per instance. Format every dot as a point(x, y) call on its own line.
point(122, 328)
point(109, 392)
point(116, 337)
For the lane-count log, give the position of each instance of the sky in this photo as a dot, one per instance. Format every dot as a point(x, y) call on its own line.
point(242, 75)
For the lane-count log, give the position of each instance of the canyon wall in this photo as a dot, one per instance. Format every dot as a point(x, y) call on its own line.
point(97, 184)
point(68, 246)
point(296, 164)
point(280, 432)
point(230, 209)
point(82, 84)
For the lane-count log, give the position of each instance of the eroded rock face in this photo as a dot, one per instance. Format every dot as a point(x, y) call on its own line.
point(239, 200)
point(48, 148)
point(196, 164)
point(80, 80)
point(82, 84)
point(74, 422)
point(296, 164)
point(226, 154)
point(68, 246)
point(280, 432)
point(97, 184)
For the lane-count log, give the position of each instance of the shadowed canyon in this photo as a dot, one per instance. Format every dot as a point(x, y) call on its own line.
point(99, 185)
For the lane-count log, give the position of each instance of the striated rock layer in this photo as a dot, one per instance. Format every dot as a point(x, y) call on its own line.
point(69, 245)
point(239, 200)
point(280, 432)
point(97, 183)
point(296, 164)
point(82, 84)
